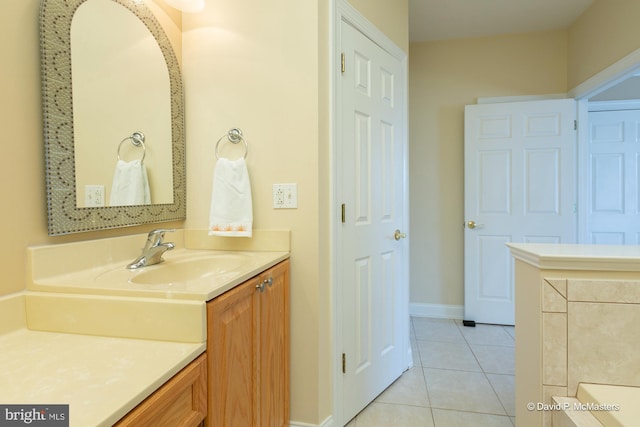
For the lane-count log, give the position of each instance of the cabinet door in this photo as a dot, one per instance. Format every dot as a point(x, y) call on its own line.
point(232, 349)
point(274, 347)
point(181, 401)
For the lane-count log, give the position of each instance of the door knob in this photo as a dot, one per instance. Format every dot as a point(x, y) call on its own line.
point(398, 235)
point(472, 225)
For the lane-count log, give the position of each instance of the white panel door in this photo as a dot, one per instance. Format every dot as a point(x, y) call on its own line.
point(520, 186)
point(374, 283)
point(613, 202)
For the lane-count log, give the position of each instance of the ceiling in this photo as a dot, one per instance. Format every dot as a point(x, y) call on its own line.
point(453, 19)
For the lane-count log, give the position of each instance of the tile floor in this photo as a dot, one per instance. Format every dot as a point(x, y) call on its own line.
point(461, 377)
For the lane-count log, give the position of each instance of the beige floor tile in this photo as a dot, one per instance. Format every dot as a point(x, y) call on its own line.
point(446, 418)
point(486, 334)
point(461, 390)
point(505, 388)
point(436, 330)
point(495, 359)
point(409, 389)
point(386, 415)
point(447, 355)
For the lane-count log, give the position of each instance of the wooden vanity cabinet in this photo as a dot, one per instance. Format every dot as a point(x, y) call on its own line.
point(248, 353)
point(181, 401)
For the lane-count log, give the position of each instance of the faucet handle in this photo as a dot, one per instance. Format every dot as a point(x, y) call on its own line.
point(156, 236)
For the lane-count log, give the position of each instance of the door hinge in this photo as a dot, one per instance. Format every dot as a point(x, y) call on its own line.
point(342, 62)
point(344, 363)
point(575, 125)
point(343, 213)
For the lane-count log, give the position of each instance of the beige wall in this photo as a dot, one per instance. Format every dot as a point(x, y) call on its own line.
point(444, 76)
point(607, 32)
point(22, 175)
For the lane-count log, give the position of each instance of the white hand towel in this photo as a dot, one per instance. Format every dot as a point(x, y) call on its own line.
point(130, 184)
point(231, 206)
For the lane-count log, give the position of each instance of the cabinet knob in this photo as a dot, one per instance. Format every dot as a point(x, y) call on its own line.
point(264, 283)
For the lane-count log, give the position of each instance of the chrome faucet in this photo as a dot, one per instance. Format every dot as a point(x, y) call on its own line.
point(153, 249)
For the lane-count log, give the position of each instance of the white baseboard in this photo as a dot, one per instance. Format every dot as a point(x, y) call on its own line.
point(326, 423)
point(442, 311)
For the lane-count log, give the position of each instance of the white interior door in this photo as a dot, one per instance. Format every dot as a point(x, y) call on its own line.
point(374, 286)
point(613, 189)
point(520, 186)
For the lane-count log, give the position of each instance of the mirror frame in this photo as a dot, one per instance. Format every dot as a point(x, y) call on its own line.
point(57, 98)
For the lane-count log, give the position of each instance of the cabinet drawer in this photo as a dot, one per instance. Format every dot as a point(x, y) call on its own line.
point(181, 401)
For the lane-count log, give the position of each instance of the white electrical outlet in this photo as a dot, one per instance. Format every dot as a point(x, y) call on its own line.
point(285, 196)
point(93, 196)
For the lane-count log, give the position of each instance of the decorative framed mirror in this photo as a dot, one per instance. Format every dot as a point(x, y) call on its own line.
point(113, 115)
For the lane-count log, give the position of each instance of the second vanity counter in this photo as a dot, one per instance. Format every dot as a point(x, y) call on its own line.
point(66, 349)
point(100, 378)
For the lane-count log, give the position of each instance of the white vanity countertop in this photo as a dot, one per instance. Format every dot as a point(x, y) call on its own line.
point(116, 279)
point(101, 378)
point(578, 257)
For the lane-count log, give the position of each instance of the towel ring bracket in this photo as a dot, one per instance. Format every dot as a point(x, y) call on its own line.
point(234, 136)
point(137, 140)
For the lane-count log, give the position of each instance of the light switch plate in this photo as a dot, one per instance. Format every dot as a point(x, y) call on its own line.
point(285, 196)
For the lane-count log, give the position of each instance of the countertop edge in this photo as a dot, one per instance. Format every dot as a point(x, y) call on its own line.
point(246, 276)
point(577, 257)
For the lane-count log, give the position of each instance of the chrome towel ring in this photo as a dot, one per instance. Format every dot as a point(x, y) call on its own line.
point(234, 136)
point(137, 140)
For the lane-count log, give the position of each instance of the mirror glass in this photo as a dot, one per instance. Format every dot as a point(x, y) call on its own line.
point(113, 116)
point(120, 85)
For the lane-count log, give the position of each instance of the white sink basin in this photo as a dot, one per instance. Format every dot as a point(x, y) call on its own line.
point(189, 269)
